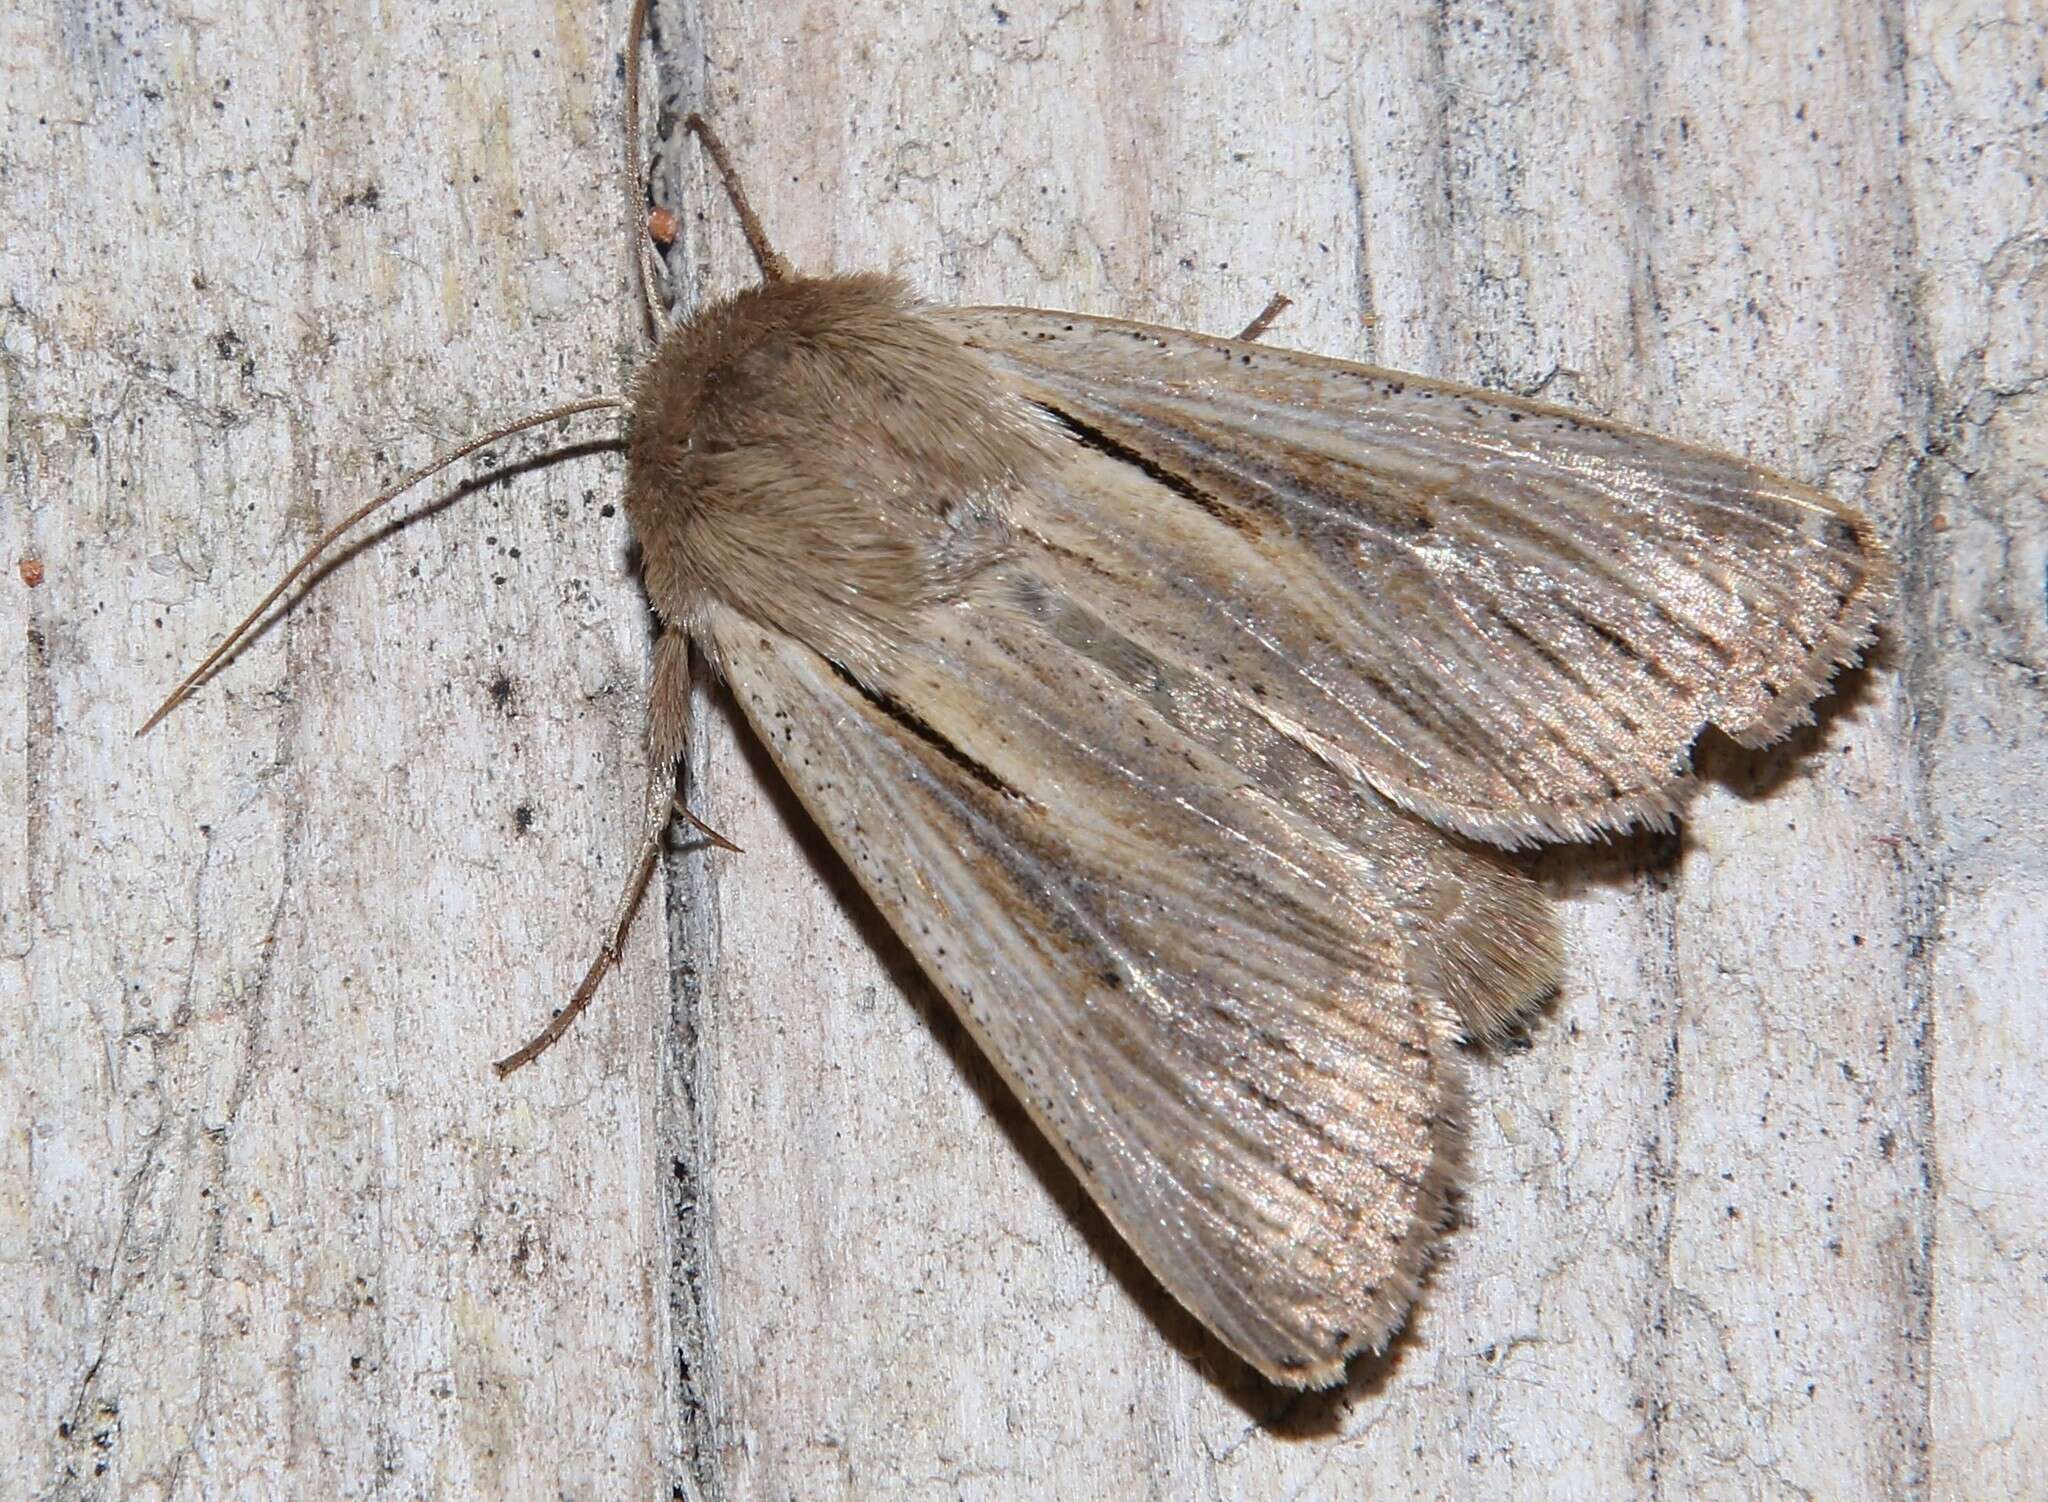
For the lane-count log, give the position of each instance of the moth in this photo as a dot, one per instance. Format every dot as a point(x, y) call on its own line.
point(1173, 697)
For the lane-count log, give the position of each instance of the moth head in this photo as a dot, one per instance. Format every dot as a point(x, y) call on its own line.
point(820, 455)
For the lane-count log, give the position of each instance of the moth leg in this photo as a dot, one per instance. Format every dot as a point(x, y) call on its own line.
point(667, 709)
point(773, 267)
point(1279, 304)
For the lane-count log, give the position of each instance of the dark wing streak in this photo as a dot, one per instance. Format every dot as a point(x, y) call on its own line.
point(1339, 430)
point(1426, 712)
point(937, 865)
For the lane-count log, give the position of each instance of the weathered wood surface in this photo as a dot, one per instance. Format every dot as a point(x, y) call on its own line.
point(1760, 1212)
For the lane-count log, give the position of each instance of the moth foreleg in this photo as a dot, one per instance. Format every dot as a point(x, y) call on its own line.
point(667, 720)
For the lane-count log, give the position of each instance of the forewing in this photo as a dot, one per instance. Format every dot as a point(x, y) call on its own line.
point(1199, 993)
point(1512, 619)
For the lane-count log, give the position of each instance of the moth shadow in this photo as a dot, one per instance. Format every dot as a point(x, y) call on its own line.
point(1286, 1412)
point(1751, 773)
point(1754, 773)
point(1632, 858)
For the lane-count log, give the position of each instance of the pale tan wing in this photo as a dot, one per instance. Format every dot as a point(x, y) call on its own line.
point(1511, 619)
point(1479, 934)
point(1198, 992)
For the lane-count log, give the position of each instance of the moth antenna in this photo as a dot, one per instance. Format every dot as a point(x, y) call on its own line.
point(773, 267)
point(426, 471)
point(653, 284)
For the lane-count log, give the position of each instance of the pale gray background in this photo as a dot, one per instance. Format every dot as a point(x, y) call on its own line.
point(1759, 1214)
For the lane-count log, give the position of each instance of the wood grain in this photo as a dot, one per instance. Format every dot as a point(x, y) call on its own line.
point(1758, 1211)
